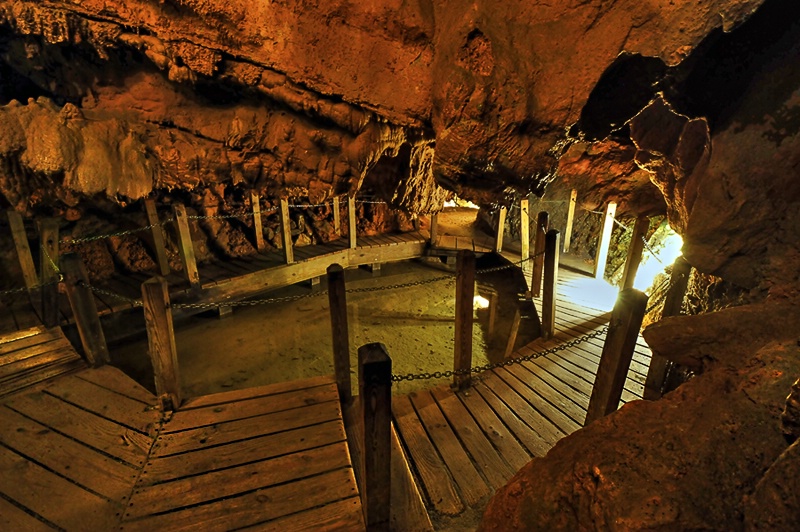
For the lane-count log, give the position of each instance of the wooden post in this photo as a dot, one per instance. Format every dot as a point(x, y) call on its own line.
point(434, 228)
point(375, 390)
point(573, 200)
point(186, 247)
point(351, 218)
point(48, 263)
point(635, 251)
point(501, 229)
point(659, 366)
point(524, 229)
point(161, 342)
point(286, 231)
point(512, 335)
point(416, 222)
point(601, 256)
point(337, 298)
point(258, 226)
point(157, 231)
point(337, 223)
point(551, 256)
point(626, 320)
point(493, 299)
point(542, 224)
point(81, 300)
point(465, 294)
point(23, 249)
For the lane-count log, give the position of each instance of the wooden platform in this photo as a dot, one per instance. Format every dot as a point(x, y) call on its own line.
point(451, 244)
point(463, 446)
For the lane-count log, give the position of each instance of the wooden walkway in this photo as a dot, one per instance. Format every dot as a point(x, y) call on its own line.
point(463, 446)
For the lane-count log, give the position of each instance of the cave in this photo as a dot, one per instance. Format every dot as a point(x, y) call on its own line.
point(465, 187)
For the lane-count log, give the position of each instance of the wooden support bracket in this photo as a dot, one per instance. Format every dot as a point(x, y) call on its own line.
point(161, 342)
point(48, 264)
point(23, 249)
point(87, 320)
point(157, 232)
point(186, 247)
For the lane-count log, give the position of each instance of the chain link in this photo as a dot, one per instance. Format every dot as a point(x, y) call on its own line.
point(134, 302)
point(22, 289)
point(248, 303)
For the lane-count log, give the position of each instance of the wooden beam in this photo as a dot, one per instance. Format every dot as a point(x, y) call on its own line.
point(48, 264)
point(542, 225)
point(573, 201)
point(157, 231)
point(258, 226)
point(186, 247)
point(626, 321)
point(434, 228)
point(337, 299)
point(286, 231)
point(673, 302)
point(551, 259)
point(635, 251)
point(351, 217)
point(524, 229)
point(337, 222)
point(23, 249)
point(161, 342)
point(493, 300)
point(501, 229)
point(375, 390)
point(512, 334)
point(601, 255)
point(465, 294)
point(81, 301)
point(416, 222)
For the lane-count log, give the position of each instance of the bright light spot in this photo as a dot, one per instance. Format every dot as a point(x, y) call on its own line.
point(458, 202)
point(589, 292)
point(480, 302)
point(650, 267)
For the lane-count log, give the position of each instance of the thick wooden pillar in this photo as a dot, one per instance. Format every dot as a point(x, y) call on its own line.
point(337, 222)
point(551, 256)
point(524, 229)
point(434, 228)
point(161, 342)
point(626, 320)
point(23, 248)
point(573, 201)
point(659, 366)
point(351, 219)
point(337, 298)
point(286, 231)
point(258, 226)
point(81, 300)
point(601, 255)
point(186, 247)
point(465, 294)
point(635, 251)
point(48, 248)
point(501, 229)
point(542, 224)
point(157, 232)
point(375, 391)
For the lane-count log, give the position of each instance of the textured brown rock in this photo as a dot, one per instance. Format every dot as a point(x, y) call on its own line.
point(775, 503)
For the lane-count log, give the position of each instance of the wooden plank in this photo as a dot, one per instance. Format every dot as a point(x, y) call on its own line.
point(524, 229)
point(429, 465)
point(249, 509)
point(408, 511)
point(635, 250)
point(22, 246)
point(41, 375)
point(337, 223)
point(81, 300)
point(12, 336)
point(352, 234)
point(12, 518)
point(31, 364)
point(601, 255)
point(27, 483)
point(186, 246)
point(465, 293)
point(115, 380)
point(556, 407)
point(573, 200)
point(31, 346)
point(484, 456)
point(161, 342)
point(93, 431)
point(256, 392)
point(341, 515)
point(501, 229)
point(224, 483)
point(551, 259)
point(542, 225)
point(64, 456)
point(157, 232)
point(49, 271)
point(286, 232)
point(258, 227)
point(470, 483)
point(512, 335)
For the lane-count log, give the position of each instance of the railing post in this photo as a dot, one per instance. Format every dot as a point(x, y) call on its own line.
point(623, 331)
point(23, 249)
point(465, 294)
point(258, 226)
point(81, 300)
point(659, 366)
point(337, 298)
point(351, 222)
point(434, 228)
point(161, 342)
point(512, 334)
point(542, 224)
point(48, 235)
point(501, 229)
point(573, 201)
point(186, 246)
point(337, 222)
point(551, 256)
point(601, 255)
point(635, 251)
point(524, 229)
point(286, 231)
point(375, 388)
point(158, 235)
point(493, 300)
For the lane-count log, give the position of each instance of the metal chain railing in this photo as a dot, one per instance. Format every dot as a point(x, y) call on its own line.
point(132, 301)
point(23, 289)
